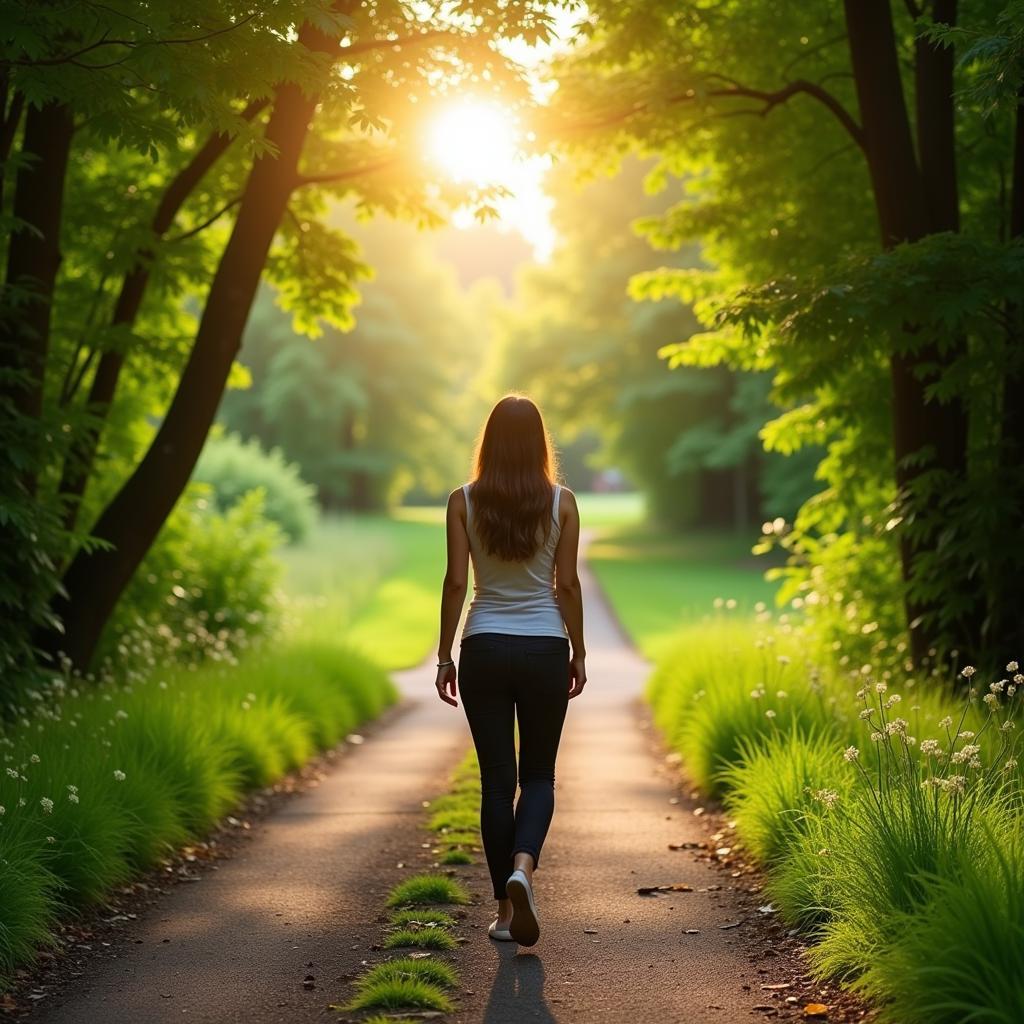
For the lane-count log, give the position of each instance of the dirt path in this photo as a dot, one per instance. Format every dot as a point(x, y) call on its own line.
point(305, 896)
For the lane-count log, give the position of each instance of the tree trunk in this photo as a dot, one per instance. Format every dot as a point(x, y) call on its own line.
point(33, 257)
point(130, 523)
point(903, 206)
point(1006, 621)
point(78, 464)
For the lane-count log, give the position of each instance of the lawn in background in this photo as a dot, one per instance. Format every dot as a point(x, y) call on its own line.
point(375, 580)
point(372, 581)
point(658, 581)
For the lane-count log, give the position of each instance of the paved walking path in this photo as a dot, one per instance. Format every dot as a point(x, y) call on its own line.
point(306, 895)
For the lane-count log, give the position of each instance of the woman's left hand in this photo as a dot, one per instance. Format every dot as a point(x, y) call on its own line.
point(446, 677)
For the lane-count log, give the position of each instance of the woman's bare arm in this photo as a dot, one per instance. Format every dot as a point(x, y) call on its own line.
point(568, 591)
point(453, 591)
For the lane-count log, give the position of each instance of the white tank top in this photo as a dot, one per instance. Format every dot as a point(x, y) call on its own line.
point(514, 597)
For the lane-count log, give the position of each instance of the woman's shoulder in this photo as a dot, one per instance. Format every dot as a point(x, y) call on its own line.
point(567, 506)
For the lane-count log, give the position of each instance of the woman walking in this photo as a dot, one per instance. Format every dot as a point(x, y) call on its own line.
point(522, 531)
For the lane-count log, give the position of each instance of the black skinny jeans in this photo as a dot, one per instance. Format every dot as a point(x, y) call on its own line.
point(503, 677)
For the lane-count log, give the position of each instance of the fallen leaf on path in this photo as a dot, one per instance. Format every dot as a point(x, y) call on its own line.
point(778, 986)
point(768, 908)
point(815, 1010)
point(589, 931)
point(731, 924)
point(684, 846)
point(648, 890)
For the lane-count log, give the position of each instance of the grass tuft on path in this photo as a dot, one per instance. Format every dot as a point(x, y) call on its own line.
point(423, 890)
point(424, 917)
point(421, 938)
point(401, 994)
point(433, 972)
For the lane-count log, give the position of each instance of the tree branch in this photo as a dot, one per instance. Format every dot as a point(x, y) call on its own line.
point(735, 89)
point(192, 232)
point(347, 175)
point(135, 44)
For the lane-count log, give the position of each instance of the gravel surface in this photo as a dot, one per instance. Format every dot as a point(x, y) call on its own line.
point(277, 932)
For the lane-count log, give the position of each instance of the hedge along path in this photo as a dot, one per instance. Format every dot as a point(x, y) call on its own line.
point(309, 887)
point(299, 900)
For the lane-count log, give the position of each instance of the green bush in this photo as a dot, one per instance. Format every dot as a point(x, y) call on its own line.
point(717, 691)
point(108, 780)
point(771, 791)
point(894, 841)
point(235, 468)
point(205, 591)
point(958, 957)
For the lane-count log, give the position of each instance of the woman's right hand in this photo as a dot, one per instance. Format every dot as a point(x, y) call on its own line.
point(577, 675)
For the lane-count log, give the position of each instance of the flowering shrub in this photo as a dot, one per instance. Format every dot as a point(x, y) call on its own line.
point(206, 590)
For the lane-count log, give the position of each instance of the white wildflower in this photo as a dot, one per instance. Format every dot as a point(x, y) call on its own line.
point(1012, 666)
point(881, 687)
point(967, 671)
point(119, 775)
point(945, 723)
point(893, 698)
point(51, 839)
point(120, 714)
point(1011, 764)
point(967, 734)
point(73, 797)
point(965, 754)
point(47, 804)
point(34, 758)
point(769, 713)
point(1007, 726)
point(851, 754)
point(930, 747)
point(829, 797)
point(866, 713)
point(876, 737)
point(954, 784)
point(991, 700)
point(12, 772)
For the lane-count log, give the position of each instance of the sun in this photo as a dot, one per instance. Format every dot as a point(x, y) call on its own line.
point(475, 142)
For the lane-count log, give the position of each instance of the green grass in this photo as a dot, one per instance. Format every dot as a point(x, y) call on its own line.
point(423, 917)
point(423, 890)
point(401, 994)
point(116, 778)
point(910, 893)
point(456, 857)
point(659, 581)
point(373, 581)
point(433, 972)
point(422, 938)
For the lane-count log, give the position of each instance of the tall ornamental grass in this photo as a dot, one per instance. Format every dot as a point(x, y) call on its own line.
point(888, 819)
point(107, 780)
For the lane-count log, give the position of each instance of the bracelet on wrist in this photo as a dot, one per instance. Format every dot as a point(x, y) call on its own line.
point(442, 664)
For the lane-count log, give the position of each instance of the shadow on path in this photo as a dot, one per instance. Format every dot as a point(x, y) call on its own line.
point(518, 990)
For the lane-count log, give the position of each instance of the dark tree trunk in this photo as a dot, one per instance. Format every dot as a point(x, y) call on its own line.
point(935, 120)
point(904, 204)
point(1007, 622)
point(96, 579)
point(33, 257)
point(78, 464)
point(10, 118)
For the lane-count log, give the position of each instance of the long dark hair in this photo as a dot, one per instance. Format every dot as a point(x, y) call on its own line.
point(514, 472)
